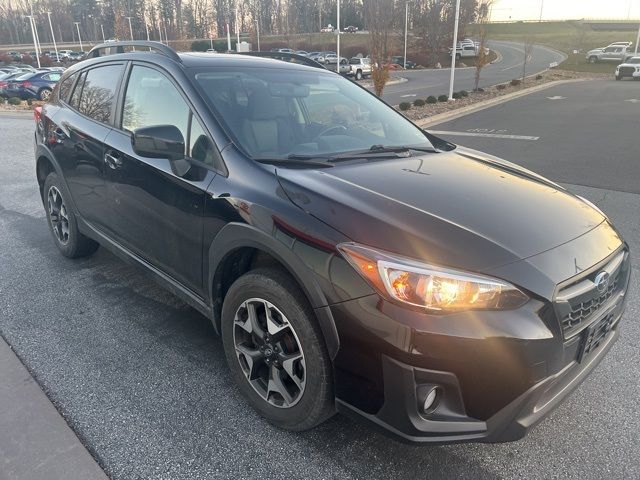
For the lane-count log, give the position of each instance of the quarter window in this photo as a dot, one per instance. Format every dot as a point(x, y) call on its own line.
point(75, 98)
point(99, 92)
point(65, 87)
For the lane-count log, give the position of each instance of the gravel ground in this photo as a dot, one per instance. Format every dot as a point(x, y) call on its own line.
point(142, 379)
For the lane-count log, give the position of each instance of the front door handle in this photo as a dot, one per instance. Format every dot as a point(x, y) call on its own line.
point(113, 160)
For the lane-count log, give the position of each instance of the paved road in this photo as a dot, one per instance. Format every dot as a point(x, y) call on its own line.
point(142, 378)
point(422, 83)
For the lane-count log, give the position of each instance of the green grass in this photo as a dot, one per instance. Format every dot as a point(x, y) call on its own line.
point(564, 36)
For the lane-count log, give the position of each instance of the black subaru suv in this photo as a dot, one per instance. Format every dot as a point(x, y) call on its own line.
point(350, 261)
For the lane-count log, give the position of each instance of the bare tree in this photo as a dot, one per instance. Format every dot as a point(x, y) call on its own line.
point(483, 57)
point(528, 49)
point(379, 16)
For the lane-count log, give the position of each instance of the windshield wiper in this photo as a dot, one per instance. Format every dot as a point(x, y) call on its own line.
point(295, 160)
point(376, 151)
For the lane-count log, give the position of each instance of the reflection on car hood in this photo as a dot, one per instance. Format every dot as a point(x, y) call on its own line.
point(460, 208)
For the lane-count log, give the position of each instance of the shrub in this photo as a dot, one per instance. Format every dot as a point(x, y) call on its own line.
point(7, 59)
point(14, 101)
point(456, 96)
point(502, 86)
point(538, 77)
point(443, 98)
point(464, 93)
point(515, 82)
point(405, 106)
point(479, 90)
point(45, 61)
point(200, 45)
point(418, 102)
point(432, 99)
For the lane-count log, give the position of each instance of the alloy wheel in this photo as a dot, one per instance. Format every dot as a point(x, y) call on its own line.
point(269, 352)
point(45, 94)
point(58, 215)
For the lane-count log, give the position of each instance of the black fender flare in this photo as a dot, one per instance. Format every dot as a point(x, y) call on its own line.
point(43, 151)
point(238, 235)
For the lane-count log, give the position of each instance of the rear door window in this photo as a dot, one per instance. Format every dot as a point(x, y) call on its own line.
point(99, 92)
point(75, 98)
point(65, 87)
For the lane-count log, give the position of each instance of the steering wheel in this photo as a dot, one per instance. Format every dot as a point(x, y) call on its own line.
point(327, 130)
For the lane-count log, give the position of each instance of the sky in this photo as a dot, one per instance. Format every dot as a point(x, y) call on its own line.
point(565, 9)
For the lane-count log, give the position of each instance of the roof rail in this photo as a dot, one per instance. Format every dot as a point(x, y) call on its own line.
point(119, 48)
point(287, 57)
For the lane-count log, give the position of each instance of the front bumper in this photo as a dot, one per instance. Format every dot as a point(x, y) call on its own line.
point(497, 373)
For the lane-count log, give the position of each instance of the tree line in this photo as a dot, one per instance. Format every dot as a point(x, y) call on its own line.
point(430, 20)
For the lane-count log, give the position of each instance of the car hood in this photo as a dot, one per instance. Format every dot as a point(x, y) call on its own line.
point(596, 50)
point(460, 208)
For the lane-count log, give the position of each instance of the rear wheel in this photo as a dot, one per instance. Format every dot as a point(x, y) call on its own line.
point(44, 94)
point(62, 221)
point(275, 350)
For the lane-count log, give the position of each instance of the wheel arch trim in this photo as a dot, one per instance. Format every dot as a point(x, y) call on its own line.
point(234, 236)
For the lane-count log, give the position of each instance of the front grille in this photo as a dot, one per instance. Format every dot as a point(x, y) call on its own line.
point(579, 300)
point(626, 71)
point(582, 310)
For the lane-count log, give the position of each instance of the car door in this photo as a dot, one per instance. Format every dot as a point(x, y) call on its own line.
point(158, 212)
point(81, 128)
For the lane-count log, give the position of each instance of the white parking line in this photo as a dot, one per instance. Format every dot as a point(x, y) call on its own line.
point(489, 135)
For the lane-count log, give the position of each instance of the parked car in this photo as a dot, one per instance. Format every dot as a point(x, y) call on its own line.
point(465, 51)
point(76, 56)
point(65, 54)
point(351, 29)
point(330, 57)
point(360, 67)
point(630, 68)
point(327, 29)
point(17, 56)
point(4, 82)
point(301, 52)
point(350, 260)
point(37, 85)
point(400, 61)
point(617, 53)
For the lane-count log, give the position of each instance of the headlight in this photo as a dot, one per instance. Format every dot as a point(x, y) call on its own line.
point(437, 289)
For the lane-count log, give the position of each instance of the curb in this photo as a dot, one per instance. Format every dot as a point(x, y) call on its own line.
point(443, 117)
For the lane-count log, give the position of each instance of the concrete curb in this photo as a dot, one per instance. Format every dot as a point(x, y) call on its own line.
point(36, 442)
point(476, 107)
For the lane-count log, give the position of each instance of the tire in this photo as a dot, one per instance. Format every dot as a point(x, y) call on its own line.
point(593, 59)
point(309, 399)
point(358, 74)
point(44, 94)
point(458, 56)
point(618, 77)
point(62, 222)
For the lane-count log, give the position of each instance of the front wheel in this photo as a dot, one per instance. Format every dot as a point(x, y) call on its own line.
point(275, 350)
point(618, 77)
point(359, 75)
point(593, 59)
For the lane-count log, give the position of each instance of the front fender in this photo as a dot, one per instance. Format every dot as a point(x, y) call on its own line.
point(238, 235)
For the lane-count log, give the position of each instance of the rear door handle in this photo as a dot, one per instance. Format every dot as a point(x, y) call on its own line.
point(113, 160)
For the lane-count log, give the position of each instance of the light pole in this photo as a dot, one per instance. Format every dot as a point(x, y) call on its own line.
point(130, 28)
point(237, 29)
point(637, 40)
point(53, 37)
point(77, 24)
point(454, 50)
point(33, 33)
point(102, 30)
point(146, 27)
point(541, 7)
point(406, 30)
point(258, 33)
point(338, 41)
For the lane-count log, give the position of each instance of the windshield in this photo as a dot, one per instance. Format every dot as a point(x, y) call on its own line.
point(634, 60)
point(277, 113)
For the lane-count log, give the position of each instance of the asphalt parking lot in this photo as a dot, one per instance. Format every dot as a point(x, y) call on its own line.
point(142, 380)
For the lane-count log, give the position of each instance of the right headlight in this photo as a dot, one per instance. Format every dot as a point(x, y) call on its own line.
point(437, 289)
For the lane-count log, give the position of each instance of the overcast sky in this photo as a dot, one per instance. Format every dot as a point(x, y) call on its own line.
point(564, 9)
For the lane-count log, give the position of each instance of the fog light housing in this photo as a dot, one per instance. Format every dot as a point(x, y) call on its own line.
point(430, 402)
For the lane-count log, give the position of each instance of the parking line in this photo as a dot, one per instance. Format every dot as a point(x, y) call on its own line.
point(489, 135)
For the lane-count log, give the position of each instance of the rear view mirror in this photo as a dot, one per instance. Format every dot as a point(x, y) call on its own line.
point(158, 141)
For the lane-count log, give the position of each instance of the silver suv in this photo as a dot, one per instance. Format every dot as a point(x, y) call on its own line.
point(360, 67)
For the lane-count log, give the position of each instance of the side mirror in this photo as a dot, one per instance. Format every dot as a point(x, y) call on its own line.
point(162, 141)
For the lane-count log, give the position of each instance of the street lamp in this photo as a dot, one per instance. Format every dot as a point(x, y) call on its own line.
point(258, 33)
point(53, 37)
point(454, 50)
point(406, 30)
point(130, 28)
point(102, 30)
point(77, 24)
point(33, 33)
point(338, 41)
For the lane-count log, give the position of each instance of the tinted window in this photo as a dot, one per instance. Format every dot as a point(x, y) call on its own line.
point(65, 86)
point(151, 99)
point(99, 92)
point(75, 98)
